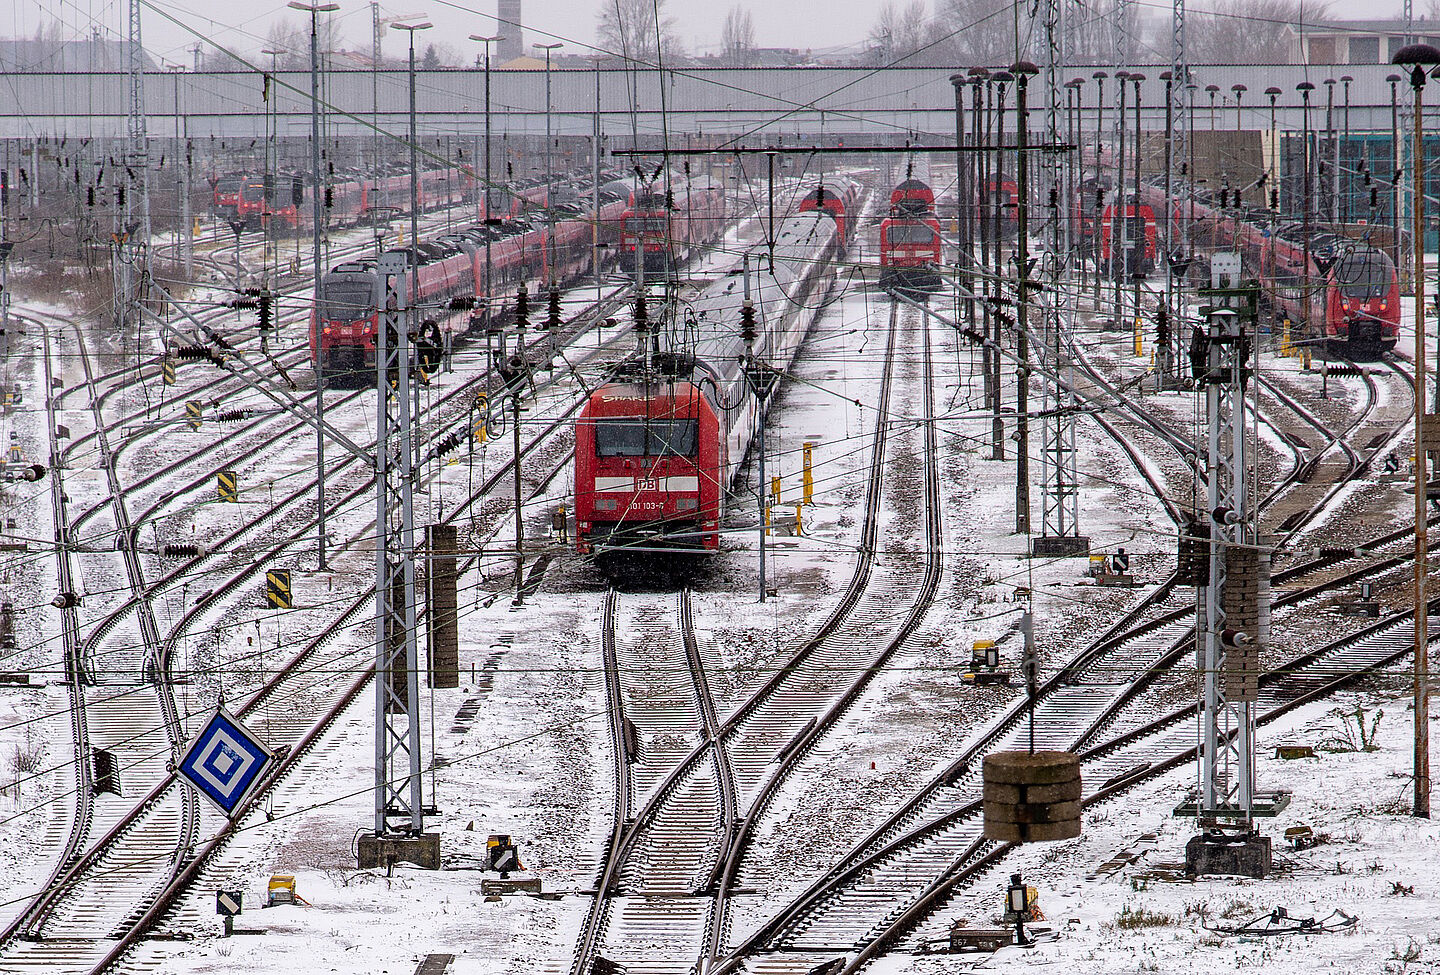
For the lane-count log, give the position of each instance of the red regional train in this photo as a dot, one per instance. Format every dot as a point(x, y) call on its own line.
point(342, 334)
point(225, 195)
point(657, 447)
point(1006, 192)
point(1349, 291)
point(284, 199)
point(667, 227)
point(910, 239)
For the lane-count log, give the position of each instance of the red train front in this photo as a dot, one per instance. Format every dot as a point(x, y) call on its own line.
point(1362, 301)
point(837, 198)
point(1139, 238)
point(910, 239)
point(643, 453)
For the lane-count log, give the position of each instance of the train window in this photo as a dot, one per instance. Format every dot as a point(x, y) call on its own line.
point(639, 436)
point(346, 301)
point(228, 184)
point(253, 191)
point(1363, 275)
point(911, 233)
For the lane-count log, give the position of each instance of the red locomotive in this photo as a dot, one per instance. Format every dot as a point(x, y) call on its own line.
point(910, 239)
point(667, 226)
point(1138, 235)
point(225, 195)
point(656, 449)
point(1004, 193)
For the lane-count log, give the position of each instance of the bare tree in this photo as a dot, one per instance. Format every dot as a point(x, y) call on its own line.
point(739, 37)
point(637, 30)
point(900, 33)
point(1249, 31)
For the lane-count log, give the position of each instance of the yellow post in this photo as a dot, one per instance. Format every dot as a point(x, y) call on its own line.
point(775, 490)
point(767, 519)
point(808, 479)
point(1139, 339)
point(799, 520)
point(1285, 348)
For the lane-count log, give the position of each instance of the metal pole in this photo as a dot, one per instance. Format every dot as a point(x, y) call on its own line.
point(1023, 70)
point(1420, 57)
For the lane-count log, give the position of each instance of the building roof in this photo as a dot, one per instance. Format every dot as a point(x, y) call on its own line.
point(19, 56)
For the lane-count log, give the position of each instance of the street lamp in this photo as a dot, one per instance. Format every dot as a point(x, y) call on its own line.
point(1305, 88)
point(315, 10)
point(1342, 151)
point(1395, 79)
point(549, 169)
point(1420, 58)
point(487, 41)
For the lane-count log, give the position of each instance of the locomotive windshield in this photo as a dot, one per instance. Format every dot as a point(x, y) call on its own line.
point(646, 436)
point(253, 191)
point(911, 233)
point(1363, 275)
point(228, 184)
point(347, 301)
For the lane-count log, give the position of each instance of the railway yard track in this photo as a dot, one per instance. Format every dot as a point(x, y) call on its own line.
point(704, 760)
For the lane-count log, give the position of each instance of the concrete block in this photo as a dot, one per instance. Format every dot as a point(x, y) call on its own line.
point(382, 851)
point(1211, 854)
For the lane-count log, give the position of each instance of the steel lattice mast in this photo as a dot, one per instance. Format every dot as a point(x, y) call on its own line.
point(1179, 132)
point(1060, 515)
point(1227, 723)
point(139, 146)
point(397, 682)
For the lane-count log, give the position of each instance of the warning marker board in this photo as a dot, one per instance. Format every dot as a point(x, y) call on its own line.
point(225, 762)
point(277, 589)
point(227, 486)
point(194, 413)
point(167, 372)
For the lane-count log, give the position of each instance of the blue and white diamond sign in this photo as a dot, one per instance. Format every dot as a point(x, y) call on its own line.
point(225, 761)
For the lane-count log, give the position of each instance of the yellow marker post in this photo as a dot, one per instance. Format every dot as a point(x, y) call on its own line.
point(1286, 349)
point(1139, 339)
point(767, 519)
point(799, 520)
point(808, 479)
point(775, 490)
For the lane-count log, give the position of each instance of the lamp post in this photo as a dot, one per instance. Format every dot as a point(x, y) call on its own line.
point(1273, 168)
point(1332, 211)
point(549, 169)
point(1420, 58)
point(1340, 152)
point(315, 259)
point(1305, 88)
point(1132, 266)
point(1095, 231)
point(1395, 79)
point(486, 216)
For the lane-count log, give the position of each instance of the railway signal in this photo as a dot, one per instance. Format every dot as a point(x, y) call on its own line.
point(227, 486)
point(107, 773)
point(278, 593)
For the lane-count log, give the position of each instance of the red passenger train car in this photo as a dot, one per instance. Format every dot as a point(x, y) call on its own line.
point(666, 227)
point(837, 197)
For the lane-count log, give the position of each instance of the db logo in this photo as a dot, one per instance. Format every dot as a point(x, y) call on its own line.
point(647, 484)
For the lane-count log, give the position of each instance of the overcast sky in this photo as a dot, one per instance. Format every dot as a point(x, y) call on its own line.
point(241, 24)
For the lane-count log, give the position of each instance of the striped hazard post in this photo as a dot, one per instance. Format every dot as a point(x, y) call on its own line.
point(277, 589)
point(167, 372)
point(194, 413)
point(227, 486)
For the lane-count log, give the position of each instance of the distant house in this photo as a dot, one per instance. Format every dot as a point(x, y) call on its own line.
point(1357, 41)
point(95, 54)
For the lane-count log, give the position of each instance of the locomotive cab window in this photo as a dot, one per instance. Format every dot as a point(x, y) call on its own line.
point(911, 233)
point(642, 437)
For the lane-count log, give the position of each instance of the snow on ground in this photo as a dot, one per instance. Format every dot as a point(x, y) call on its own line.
point(521, 747)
